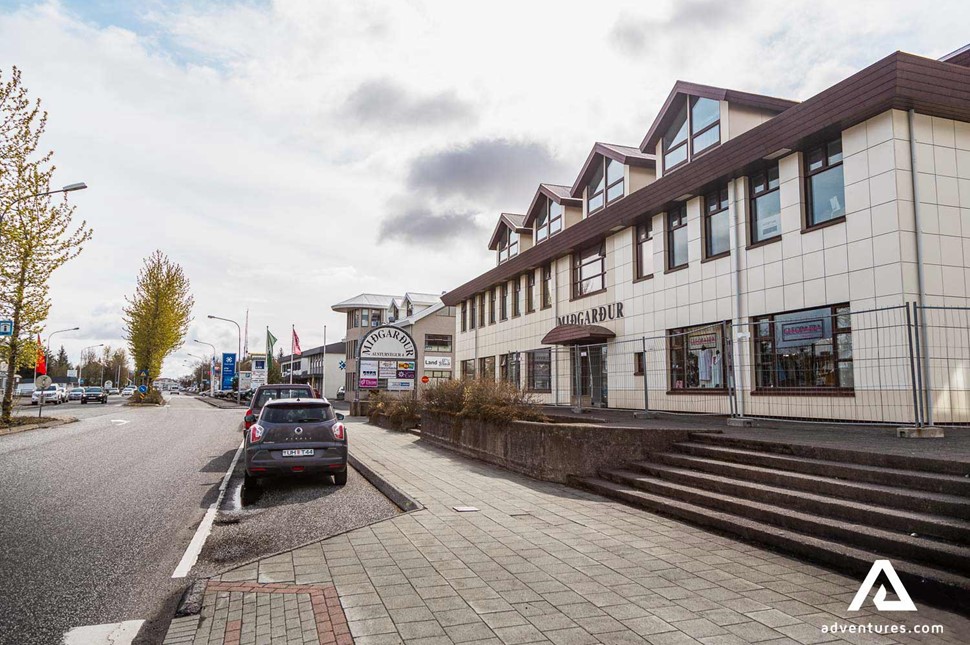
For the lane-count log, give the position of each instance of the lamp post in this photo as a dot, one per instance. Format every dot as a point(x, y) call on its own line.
point(201, 366)
point(80, 370)
point(48, 350)
point(66, 189)
point(212, 391)
point(238, 329)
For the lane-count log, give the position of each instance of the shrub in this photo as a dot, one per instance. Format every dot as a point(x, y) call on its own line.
point(151, 396)
point(482, 399)
point(400, 409)
point(445, 396)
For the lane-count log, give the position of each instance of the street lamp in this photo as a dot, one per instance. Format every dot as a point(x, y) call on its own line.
point(201, 367)
point(70, 188)
point(80, 370)
point(212, 391)
point(238, 355)
point(51, 335)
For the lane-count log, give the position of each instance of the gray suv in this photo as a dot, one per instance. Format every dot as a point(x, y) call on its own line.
point(274, 392)
point(296, 436)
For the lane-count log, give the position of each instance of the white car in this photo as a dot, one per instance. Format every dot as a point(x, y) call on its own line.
point(128, 391)
point(52, 394)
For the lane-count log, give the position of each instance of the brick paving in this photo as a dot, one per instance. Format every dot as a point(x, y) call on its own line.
point(539, 563)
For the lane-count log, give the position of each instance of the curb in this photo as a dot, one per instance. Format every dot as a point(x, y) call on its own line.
point(404, 501)
point(38, 426)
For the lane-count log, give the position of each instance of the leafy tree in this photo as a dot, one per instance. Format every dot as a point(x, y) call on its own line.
point(58, 365)
point(275, 373)
point(158, 314)
point(36, 233)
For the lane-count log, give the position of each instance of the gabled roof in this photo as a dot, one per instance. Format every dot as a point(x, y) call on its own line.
point(421, 298)
point(365, 300)
point(626, 155)
point(418, 315)
point(683, 88)
point(555, 192)
point(513, 221)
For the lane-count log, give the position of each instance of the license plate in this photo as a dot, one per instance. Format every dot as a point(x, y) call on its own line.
point(302, 452)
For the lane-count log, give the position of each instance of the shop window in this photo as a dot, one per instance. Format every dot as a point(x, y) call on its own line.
point(491, 307)
point(826, 184)
point(464, 315)
point(517, 296)
point(505, 301)
point(717, 224)
point(547, 286)
point(809, 349)
point(677, 237)
point(644, 249)
point(468, 369)
point(530, 292)
point(509, 368)
point(765, 205)
point(486, 368)
point(539, 370)
point(697, 357)
point(437, 343)
point(589, 270)
point(436, 376)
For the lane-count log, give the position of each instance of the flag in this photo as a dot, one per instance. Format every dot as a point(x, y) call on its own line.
point(270, 341)
point(41, 358)
point(296, 344)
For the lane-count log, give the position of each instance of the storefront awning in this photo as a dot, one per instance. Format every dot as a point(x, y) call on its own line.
point(577, 335)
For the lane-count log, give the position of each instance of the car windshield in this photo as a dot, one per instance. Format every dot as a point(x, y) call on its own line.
point(51, 388)
point(281, 393)
point(297, 413)
point(78, 389)
point(93, 389)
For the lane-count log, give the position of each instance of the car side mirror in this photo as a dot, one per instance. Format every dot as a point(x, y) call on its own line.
point(250, 418)
point(340, 417)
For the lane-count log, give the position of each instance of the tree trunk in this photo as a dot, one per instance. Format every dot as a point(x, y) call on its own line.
point(13, 358)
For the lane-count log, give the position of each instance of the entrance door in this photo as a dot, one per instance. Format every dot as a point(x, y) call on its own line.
point(589, 369)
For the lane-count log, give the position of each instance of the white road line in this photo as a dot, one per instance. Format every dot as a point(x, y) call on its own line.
point(108, 634)
point(119, 422)
point(191, 554)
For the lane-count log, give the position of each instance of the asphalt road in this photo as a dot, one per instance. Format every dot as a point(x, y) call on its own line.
point(97, 514)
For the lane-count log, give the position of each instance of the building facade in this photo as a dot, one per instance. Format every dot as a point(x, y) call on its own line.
point(753, 256)
point(319, 367)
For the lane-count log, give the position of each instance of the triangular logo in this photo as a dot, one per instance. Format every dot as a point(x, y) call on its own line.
point(905, 603)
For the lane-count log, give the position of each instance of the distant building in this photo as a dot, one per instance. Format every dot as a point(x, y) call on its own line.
point(318, 368)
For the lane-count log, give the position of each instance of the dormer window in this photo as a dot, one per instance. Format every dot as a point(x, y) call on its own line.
point(508, 244)
point(606, 186)
point(549, 221)
point(410, 309)
point(692, 132)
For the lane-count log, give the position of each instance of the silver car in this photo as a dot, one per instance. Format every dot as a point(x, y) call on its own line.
point(52, 394)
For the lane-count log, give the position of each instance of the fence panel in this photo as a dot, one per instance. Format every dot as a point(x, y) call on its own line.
point(947, 363)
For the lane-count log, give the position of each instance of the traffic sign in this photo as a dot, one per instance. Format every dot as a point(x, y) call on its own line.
point(143, 373)
point(425, 379)
point(6, 328)
point(42, 382)
point(142, 388)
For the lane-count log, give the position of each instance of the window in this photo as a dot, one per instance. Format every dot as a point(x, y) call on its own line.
point(702, 121)
point(595, 191)
point(643, 249)
point(356, 317)
point(508, 365)
point(410, 309)
point(697, 357)
point(468, 368)
point(606, 186)
point(437, 343)
point(486, 367)
point(508, 244)
point(464, 315)
point(804, 349)
point(505, 301)
point(539, 370)
point(677, 237)
point(530, 292)
point(826, 185)
point(436, 376)
point(375, 317)
point(516, 296)
point(638, 363)
point(765, 205)
point(491, 307)
point(481, 310)
point(473, 316)
point(547, 286)
point(589, 270)
point(717, 225)
point(549, 221)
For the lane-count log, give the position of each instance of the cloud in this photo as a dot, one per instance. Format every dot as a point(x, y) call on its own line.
point(385, 103)
point(420, 226)
point(497, 171)
point(633, 35)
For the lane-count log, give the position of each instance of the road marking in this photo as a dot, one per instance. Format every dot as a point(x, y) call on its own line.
point(191, 554)
point(108, 634)
point(119, 422)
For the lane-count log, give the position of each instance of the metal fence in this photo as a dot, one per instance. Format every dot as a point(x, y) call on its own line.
point(902, 365)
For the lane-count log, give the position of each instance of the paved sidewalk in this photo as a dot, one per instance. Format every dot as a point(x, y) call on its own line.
point(541, 562)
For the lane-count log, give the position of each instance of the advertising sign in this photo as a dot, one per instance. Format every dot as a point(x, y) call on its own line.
point(387, 369)
point(259, 371)
point(388, 343)
point(802, 328)
point(703, 340)
point(228, 370)
point(437, 362)
point(400, 385)
point(369, 371)
point(245, 380)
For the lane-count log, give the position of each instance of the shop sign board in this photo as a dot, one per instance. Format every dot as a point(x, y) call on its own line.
point(228, 370)
point(703, 340)
point(369, 371)
point(387, 342)
point(802, 328)
point(245, 380)
point(400, 385)
point(437, 362)
point(593, 316)
point(259, 371)
point(387, 369)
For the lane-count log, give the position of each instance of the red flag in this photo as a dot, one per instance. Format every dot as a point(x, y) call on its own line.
point(41, 358)
point(296, 344)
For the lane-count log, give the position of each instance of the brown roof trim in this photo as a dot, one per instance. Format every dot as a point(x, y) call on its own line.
point(547, 190)
point(641, 159)
point(958, 57)
point(683, 88)
point(513, 221)
point(901, 81)
point(576, 334)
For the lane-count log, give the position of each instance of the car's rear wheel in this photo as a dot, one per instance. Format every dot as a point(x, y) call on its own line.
point(340, 479)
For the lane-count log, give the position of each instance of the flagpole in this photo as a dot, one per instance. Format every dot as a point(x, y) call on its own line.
point(323, 379)
point(292, 348)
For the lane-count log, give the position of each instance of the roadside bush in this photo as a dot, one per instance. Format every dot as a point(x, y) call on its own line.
point(401, 410)
point(445, 396)
point(151, 396)
point(482, 399)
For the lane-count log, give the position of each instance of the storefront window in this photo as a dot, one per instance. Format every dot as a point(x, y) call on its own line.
point(698, 357)
point(804, 349)
point(539, 370)
point(509, 368)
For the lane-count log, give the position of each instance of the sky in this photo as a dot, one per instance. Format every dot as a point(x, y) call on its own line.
point(291, 154)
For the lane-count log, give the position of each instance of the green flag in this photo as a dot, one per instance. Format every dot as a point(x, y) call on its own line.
point(270, 341)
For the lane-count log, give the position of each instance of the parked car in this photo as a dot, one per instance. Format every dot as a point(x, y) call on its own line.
point(128, 391)
point(94, 394)
point(296, 436)
point(341, 393)
point(265, 393)
point(25, 389)
point(75, 394)
point(52, 394)
point(113, 390)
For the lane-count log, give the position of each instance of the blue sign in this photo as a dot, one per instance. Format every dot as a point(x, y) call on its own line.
point(142, 388)
point(228, 370)
point(6, 328)
point(342, 365)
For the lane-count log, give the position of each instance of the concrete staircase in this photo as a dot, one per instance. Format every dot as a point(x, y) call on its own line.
point(841, 508)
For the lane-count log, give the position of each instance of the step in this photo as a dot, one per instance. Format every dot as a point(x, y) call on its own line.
point(925, 584)
point(833, 453)
point(890, 518)
point(892, 496)
point(918, 549)
point(933, 482)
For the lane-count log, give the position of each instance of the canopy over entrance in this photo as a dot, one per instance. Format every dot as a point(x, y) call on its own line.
point(577, 335)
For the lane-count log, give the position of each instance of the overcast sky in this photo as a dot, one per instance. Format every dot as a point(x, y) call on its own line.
point(292, 154)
